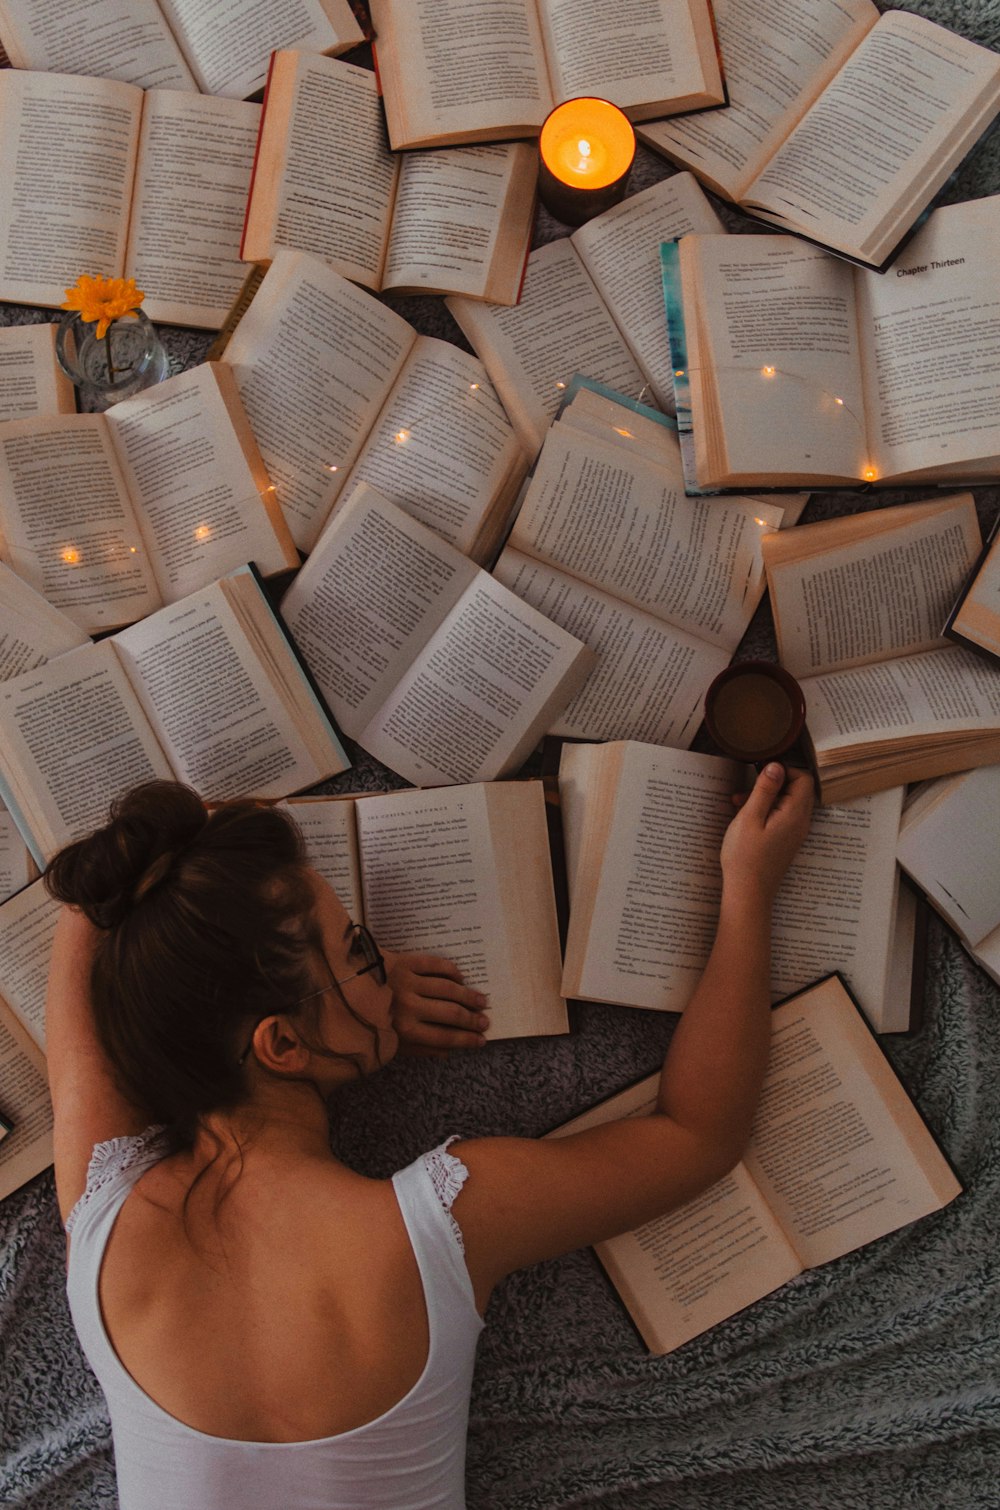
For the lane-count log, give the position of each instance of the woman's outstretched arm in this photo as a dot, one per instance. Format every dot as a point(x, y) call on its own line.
point(527, 1200)
point(87, 1103)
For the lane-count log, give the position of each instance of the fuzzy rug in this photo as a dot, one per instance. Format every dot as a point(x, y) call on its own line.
point(871, 1382)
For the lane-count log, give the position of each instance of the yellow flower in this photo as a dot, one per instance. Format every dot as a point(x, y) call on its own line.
point(103, 299)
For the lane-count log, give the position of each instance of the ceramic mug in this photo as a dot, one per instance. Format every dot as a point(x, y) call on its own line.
point(755, 711)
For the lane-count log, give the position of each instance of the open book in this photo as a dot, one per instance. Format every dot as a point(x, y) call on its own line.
point(434, 667)
point(144, 186)
point(27, 928)
point(839, 1156)
point(591, 303)
point(218, 46)
point(32, 631)
point(949, 842)
point(660, 586)
point(339, 389)
point(208, 692)
point(17, 867)
point(31, 380)
point(858, 606)
point(487, 70)
point(112, 515)
point(463, 872)
point(805, 372)
point(643, 829)
point(974, 618)
point(325, 182)
point(843, 124)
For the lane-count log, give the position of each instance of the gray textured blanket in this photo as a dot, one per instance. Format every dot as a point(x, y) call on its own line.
point(873, 1381)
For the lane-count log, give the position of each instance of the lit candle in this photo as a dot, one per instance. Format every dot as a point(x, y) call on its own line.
point(586, 147)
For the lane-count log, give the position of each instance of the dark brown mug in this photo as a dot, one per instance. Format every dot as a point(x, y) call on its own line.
point(755, 711)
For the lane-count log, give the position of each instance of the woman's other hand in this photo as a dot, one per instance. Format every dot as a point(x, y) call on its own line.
point(432, 1008)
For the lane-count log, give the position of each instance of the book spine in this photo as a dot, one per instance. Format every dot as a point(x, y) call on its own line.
point(256, 153)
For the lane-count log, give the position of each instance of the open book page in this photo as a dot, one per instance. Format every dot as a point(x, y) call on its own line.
point(442, 448)
point(16, 865)
point(559, 327)
point(938, 298)
point(688, 1270)
point(778, 55)
point(949, 842)
point(882, 137)
point(224, 726)
point(460, 70)
point(325, 179)
point(838, 1148)
point(836, 908)
point(31, 630)
point(31, 381)
point(621, 251)
point(24, 1103)
point(69, 153)
point(936, 692)
point(644, 828)
point(462, 221)
point(368, 599)
point(203, 499)
point(228, 45)
point(330, 835)
point(74, 737)
point(650, 57)
point(439, 878)
point(69, 526)
point(314, 358)
point(610, 518)
point(773, 361)
point(650, 678)
point(877, 585)
point(976, 618)
point(92, 37)
point(27, 929)
point(481, 693)
point(192, 180)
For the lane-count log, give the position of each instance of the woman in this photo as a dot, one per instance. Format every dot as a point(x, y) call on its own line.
point(271, 1329)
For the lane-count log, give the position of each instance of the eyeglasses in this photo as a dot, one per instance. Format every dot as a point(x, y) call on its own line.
point(361, 941)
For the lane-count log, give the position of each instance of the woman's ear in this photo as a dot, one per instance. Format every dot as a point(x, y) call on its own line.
point(278, 1047)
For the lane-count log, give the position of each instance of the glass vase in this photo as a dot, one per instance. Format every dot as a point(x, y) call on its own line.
point(137, 358)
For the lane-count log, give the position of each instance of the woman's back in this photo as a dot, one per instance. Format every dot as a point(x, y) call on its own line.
point(330, 1336)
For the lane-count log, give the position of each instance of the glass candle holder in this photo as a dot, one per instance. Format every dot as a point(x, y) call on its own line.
point(127, 359)
point(586, 148)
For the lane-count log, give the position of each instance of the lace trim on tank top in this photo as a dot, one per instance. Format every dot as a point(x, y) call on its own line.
point(448, 1175)
point(109, 1161)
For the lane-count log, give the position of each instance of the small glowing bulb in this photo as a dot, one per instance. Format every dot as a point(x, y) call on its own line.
point(332, 468)
point(627, 433)
point(132, 550)
point(71, 556)
point(839, 401)
point(402, 436)
point(560, 385)
point(202, 532)
point(679, 372)
point(473, 386)
point(870, 474)
point(767, 372)
point(759, 521)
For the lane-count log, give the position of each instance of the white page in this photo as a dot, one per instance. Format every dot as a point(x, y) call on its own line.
point(650, 679)
point(209, 700)
point(939, 297)
point(367, 600)
point(16, 867)
point(77, 732)
point(633, 52)
point(229, 44)
point(95, 37)
point(70, 529)
point(621, 251)
point(329, 833)
point(195, 160)
point(951, 848)
point(197, 498)
point(69, 153)
point(31, 630)
point(314, 358)
point(31, 382)
point(559, 327)
point(27, 929)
